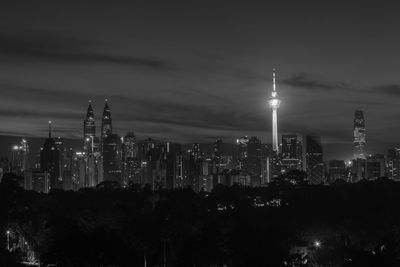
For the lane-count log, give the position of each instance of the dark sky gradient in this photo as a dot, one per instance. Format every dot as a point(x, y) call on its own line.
point(197, 70)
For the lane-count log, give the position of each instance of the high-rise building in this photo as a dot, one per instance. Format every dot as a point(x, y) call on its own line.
point(193, 168)
point(242, 152)
point(20, 157)
point(92, 150)
point(148, 154)
point(359, 134)
point(375, 166)
point(179, 179)
point(370, 168)
point(89, 130)
point(254, 160)
point(336, 170)
point(131, 169)
point(274, 103)
point(358, 169)
point(314, 160)
point(79, 170)
point(291, 152)
point(50, 161)
point(106, 122)
point(60, 146)
point(216, 161)
point(173, 165)
point(112, 155)
point(37, 180)
point(393, 163)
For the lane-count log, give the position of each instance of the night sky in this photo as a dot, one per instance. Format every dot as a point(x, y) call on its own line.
point(195, 71)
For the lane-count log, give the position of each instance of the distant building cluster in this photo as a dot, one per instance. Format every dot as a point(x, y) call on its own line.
point(124, 161)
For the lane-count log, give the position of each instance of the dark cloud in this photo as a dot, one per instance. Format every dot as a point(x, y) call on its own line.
point(308, 82)
point(208, 114)
point(194, 72)
point(388, 89)
point(23, 47)
point(30, 113)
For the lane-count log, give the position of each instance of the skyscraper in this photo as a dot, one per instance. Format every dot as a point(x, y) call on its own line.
point(130, 161)
point(336, 170)
point(89, 130)
point(359, 134)
point(106, 122)
point(242, 153)
point(49, 161)
point(112, 158)
point(193, 164)
point(274, 103)
point(254, 160)
point(173, 165)
point(20, 157)
point(314, 159)
point(217, 156)
point(291, 152)
point(393, 163)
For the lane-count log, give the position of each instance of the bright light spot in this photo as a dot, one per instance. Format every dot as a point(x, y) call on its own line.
point(8, 232)
point(274, 103)
point(317, 244)
point(15, 147)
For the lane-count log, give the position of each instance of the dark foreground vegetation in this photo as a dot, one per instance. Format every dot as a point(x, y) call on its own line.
point(355, 225)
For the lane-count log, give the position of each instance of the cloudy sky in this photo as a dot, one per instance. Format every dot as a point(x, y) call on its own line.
point(197, 70)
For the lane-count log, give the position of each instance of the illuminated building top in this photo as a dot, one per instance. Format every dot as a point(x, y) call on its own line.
point(274, 101)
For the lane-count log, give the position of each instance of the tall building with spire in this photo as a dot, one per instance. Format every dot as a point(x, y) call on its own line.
point(359, 134)
point(89, 130)
point(274, 103)
point(106, 122)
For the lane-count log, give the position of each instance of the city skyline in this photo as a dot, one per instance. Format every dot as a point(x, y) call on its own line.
point(183, 82)
point(199, 133)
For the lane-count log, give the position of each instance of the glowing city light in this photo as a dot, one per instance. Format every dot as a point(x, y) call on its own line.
point(274, 103)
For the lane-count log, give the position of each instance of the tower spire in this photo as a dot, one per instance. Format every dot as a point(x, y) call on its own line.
point(106, 122)
point(89, 112)
point(273, 80)
point(49, 129)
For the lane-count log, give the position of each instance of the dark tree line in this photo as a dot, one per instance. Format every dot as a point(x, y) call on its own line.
point(357, 224)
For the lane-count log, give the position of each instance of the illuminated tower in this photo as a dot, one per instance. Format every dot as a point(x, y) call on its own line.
point(359, 134)
point(274, 104)
point(89, 130)
point(106, 123)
